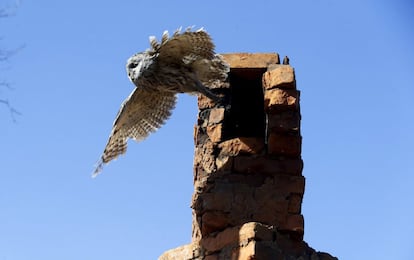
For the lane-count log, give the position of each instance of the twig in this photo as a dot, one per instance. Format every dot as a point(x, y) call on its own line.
point(12, 110)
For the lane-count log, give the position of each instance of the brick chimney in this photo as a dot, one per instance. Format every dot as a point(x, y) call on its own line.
point(248, 183)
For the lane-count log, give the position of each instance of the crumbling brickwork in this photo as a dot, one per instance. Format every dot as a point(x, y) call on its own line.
point(248, 183)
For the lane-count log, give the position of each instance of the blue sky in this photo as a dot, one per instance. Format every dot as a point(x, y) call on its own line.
point(354, 63)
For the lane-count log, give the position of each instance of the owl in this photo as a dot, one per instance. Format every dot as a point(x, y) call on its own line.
point(183, 63)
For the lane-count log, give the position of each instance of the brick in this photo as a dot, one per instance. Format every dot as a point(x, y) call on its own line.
point(264, 250)
point(211, 257)
point(284, 121)
point(288, 184)
point(204, 157)
point(294, 223)
point(224, 163)
point(235, 235)
point(281, 99)
point(284, 144)
point(270, 199)
point(215, 132)
point(249, 60)
point(216, 115)
point(213, 221)
point(242, 145)
point(295, 203)
point(268, 215)
point(250, 164)
point(183, 252)
point(220, 240)
point(255, 230)
point(272, 213)
point(281, 76)
point(220, 201)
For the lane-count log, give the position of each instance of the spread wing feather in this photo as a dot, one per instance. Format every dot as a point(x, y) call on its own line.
point(142, 113)
point(185, 47)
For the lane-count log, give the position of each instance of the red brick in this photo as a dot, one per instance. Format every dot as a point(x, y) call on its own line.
point(220, 201)
point(281, 99)
point(242, 145)
point(284, 144)
point(281, 76)
point(216, 115)
point(294, 223)
point(204, 157)
point(284, 121)
point(220, 240)
point(215, 132)
point(295, 203)
point(213, 221)
point(183, 252)
point(211, 257)
point(264, 250)
point(224, 163)
point(237, 235)
point(251, 164)
point(269, 215)
point(255, 230)
point(251, 60)
point(288, 184)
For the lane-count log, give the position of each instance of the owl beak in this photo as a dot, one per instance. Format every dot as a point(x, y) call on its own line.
point(130, 78)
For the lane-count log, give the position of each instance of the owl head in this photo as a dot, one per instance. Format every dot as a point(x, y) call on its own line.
point(137, 64)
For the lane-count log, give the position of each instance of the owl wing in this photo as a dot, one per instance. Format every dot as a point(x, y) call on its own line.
point(184, 47)
point(142, 113)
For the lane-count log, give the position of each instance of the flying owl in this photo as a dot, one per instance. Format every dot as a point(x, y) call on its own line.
point(182, 63)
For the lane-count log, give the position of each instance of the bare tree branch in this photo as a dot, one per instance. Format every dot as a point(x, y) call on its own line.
point(6, 85)
point(12, 110)
point(4, 57)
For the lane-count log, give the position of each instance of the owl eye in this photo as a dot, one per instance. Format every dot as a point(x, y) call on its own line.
point(132, 65)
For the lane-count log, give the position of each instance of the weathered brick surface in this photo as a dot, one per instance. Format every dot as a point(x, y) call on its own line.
point(204, 157)
point(281, 99)
point(295, 203)
point(284, 144)
point(242, 145)
point(266, 165)
point(281, 76)
point(216, 115)
point(294, 224)
point(284, 122)
point(248, 183)
point(215, 132)
point(213, 221)
point(251, 61)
